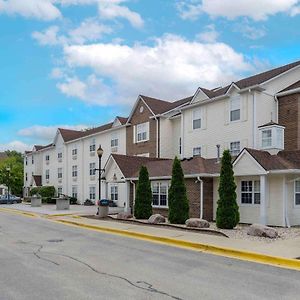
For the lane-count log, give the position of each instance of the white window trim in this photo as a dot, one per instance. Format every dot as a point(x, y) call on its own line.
point(252, 204)
point(147, 130)
point(114, 186)
point(231, 151)
point(230, 110)
point(197, 147)
point(94, 193)
point(167, 193)
point(193, 118)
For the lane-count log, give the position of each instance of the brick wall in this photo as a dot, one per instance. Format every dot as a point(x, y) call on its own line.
point(288, 116)
point(143, 147)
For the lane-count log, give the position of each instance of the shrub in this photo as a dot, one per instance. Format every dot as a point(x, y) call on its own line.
point(43, 191)
point(228, 211)
point(73, 200)
point(143, 198)
point(178, 201)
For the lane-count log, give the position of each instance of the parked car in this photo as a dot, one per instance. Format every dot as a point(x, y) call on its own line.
point(12, 199)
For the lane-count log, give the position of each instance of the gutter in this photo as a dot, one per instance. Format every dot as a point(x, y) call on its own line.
point(280, 94)
point(185, 176)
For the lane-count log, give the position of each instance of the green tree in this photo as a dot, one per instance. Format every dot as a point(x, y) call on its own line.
point(228, 211)
point(178, 201)
point(11, 173)
point(143, 198)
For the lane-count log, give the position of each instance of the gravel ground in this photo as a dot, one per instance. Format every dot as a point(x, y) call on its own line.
point(240, 232)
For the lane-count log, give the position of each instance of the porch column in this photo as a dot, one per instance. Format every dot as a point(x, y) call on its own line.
point(263, 202)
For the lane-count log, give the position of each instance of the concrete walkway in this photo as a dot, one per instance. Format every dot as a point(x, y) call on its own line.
point(282, 248)
point(50, 209)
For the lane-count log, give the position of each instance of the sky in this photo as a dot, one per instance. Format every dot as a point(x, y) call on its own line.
point(79, 63)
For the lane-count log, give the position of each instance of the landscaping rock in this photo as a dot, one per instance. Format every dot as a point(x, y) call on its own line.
point(124, 215)
point(198, 223)
point(157, 218)
point(262, 231)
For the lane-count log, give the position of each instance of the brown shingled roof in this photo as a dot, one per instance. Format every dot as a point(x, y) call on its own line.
point(158, 167)
point(37, 179)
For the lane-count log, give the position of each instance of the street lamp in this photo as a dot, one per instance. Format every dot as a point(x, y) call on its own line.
point(99, 153)
point(8, 183)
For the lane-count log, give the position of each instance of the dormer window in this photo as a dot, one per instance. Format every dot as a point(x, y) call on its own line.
point(235, 109)
point(271, 136)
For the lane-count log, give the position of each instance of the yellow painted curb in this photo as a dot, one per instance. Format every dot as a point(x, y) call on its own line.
point(221, 251)
point(19, 212)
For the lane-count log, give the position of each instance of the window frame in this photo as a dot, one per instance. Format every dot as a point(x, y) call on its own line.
point(47, 174)
point(59, 173)
point(92, 169)
point(196, 118)
point(93, 145)
point(74, 171)
point(234, 151)
point(268, 138)
point(195, 149)
point(232, 108)
point(75, 187)
point(159, 193)
point(295, 194)
point(255, 190)
point(144, 132)
point(92, 194)
point(114, 192)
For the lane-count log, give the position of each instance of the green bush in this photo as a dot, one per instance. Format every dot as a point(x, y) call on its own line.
point(228, 211)
point(73, 200)
point(143, 198)
point(43, 191)
point(178, 201)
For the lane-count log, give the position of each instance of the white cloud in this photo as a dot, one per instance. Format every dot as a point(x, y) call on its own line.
point(16, 145)
point(46, 133)
point(88, 30)
point(49, 36)
point(113, 9)
point(39, 9)
point(172, 68)
point(254, 9)
point(56, 73)
point(251, 32)
point(92, 90)
point(210, 35)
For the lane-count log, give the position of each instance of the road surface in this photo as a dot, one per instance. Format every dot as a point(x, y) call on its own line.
point(43, 260)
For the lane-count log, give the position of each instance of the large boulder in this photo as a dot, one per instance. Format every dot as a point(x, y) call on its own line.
point(262, 231)
point(124, 215)
point(157, 218)
point(198, 223)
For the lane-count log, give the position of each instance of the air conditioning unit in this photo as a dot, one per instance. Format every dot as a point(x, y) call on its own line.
point(60, 160)
point(74, 157)
point(60, 180)
point(114, 149)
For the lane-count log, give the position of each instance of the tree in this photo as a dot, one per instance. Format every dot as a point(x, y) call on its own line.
point(143, 198)
point(14, 177)
point(228, 211)
point(178, 201)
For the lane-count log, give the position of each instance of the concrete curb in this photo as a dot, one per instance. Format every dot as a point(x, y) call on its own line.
point(19, 212)
point(211, 249)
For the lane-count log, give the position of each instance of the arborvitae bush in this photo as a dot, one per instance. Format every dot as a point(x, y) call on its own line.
point(228, 211)
point(143, 197)
point(178, 201)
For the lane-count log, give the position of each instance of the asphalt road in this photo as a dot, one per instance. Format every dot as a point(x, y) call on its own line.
point(43, 260)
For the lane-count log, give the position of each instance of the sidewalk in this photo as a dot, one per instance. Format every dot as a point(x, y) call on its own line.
point(282, 248)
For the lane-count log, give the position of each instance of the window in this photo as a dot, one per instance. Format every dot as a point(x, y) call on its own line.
point(32, 159)
point(114, 142)
point(74, 192)
point(47, 174)
point(250, 192)
point(196, 118)
point(74, 171)
point(26, 160)
point(92, 169)
point(114, 192)
point(159, 194)
point(180, 146)
point(59, 173)
point(297, 192)
point(26, 177)
point(266, 138)
point(92, 193)
point(235, 110)
point(142, 132)
point(74, 151)
point(59, 191)
point(59, 155)
point(197, 151)
point(93, 145)
point(235, 148)
point(47, 158)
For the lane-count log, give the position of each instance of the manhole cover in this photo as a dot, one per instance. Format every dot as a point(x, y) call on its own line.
point(55, 241)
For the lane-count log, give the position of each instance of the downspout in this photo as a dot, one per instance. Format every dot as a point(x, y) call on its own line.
point(157, 137)
point(277, 108)
point(201, 196)
point(133, 195)
point(254, 118)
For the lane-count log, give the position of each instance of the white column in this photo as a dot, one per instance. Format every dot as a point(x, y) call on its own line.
point(182, 136)
point(263, 200)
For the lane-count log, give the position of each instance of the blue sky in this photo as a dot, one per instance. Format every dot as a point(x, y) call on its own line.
point(79, 63)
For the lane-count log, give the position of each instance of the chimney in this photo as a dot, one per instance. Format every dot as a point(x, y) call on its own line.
point(218, 153)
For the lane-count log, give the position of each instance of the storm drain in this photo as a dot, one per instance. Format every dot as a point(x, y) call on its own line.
point(55, 240)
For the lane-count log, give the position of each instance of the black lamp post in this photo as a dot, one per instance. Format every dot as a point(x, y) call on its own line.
point(99, 153)
point(8, 183)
